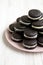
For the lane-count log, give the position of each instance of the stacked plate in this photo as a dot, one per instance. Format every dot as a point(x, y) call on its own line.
point(28, 29)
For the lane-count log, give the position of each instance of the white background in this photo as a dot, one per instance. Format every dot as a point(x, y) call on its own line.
point(9, 11)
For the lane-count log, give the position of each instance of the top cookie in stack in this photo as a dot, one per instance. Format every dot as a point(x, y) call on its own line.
point(35, 14)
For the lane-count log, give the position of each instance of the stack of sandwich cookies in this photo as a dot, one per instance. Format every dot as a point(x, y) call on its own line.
point(15, 36)
point(17, 30)
point(30, 36)
point(28, 29)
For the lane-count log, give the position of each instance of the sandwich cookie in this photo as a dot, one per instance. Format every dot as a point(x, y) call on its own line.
point(34, 14)
point(38, 24)
point(25, 20)
point(40, 40)
point(19, 27)
point(30, 33)
point(16, 37)
point(30, 43)
point(11, 27)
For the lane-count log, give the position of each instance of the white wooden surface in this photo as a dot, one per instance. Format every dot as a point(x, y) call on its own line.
point(9, 11)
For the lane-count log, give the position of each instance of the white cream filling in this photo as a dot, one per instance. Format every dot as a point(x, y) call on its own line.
point(34, 18)
point(24, 22)
point(40, 43)
point(37, 27)
point(10, 30)
point(15, 39)
point(29, 46)
point(17, 29)
point(41, 18)
point(30, 37)
point(41, 32)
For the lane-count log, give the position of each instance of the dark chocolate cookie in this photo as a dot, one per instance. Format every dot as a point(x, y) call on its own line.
point(30, 43)
point(34, 14)
point(38, 24)
point(19, 27)
point(25, 20)
point(16, 37)
point(30, 33)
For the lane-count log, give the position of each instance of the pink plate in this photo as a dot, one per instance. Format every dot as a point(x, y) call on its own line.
point(19, 45)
